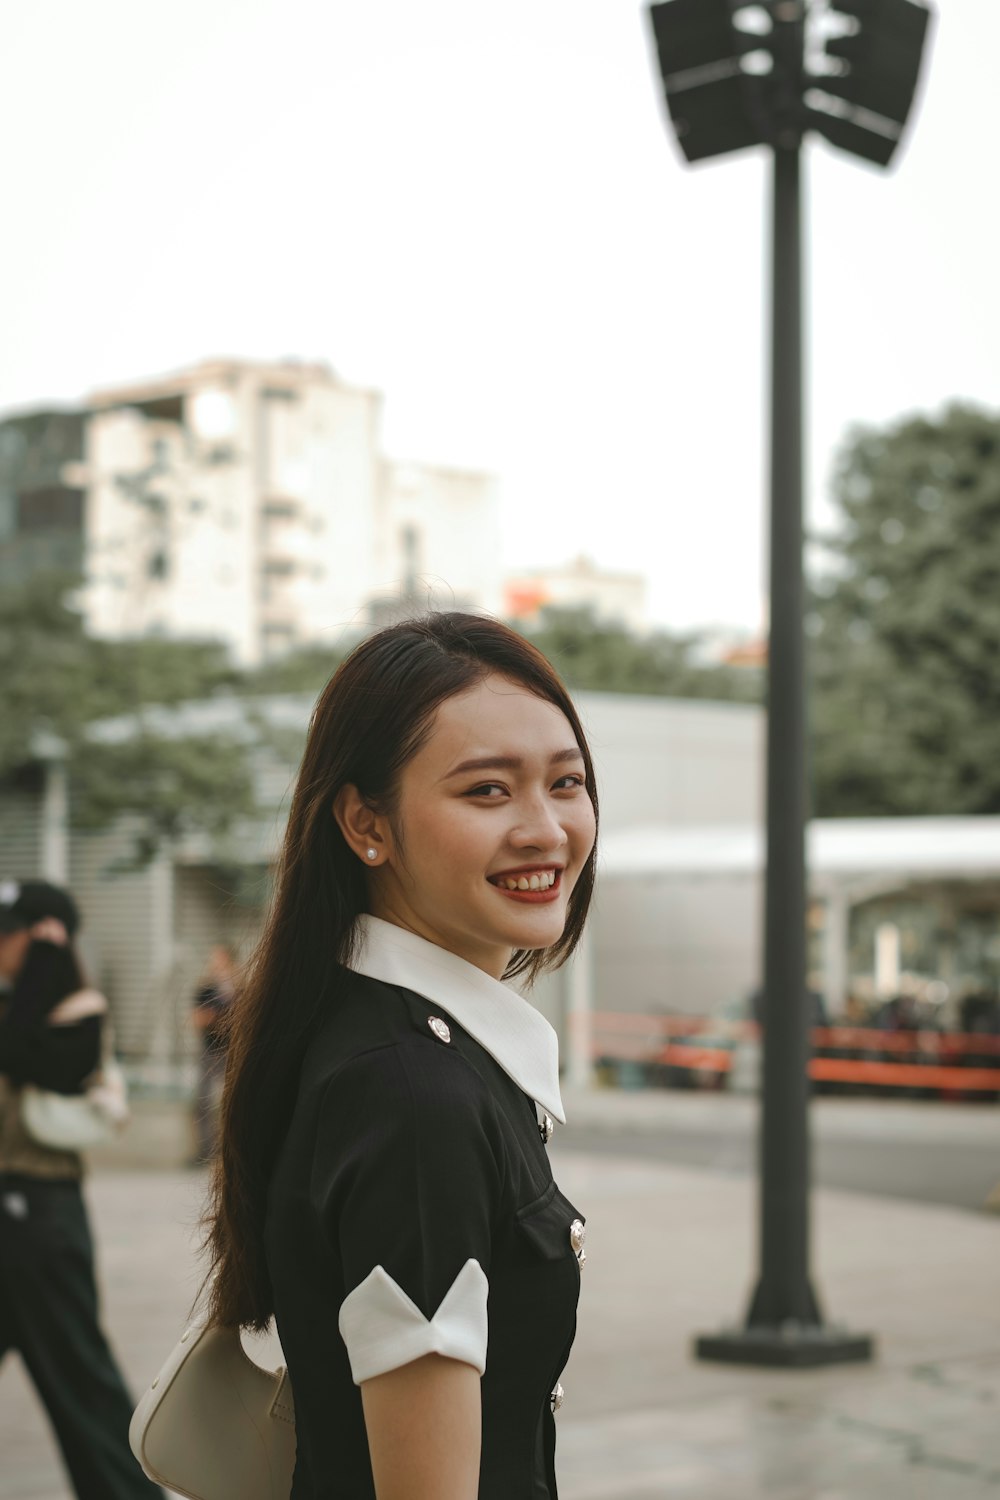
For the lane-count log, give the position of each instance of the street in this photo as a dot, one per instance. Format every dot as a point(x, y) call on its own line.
point(926, 1152)
point(956, 1174)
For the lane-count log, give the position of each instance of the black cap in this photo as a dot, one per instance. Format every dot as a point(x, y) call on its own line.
point(25, 902)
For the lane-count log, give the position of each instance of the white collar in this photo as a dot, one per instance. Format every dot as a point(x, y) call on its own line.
point(515, 1035)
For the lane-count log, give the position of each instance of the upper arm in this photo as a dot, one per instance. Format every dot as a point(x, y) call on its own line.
point(406, 1182)
point(424, 1424)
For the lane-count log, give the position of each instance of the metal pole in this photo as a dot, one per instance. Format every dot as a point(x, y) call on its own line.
point(784, 1325)
point(784, 1292)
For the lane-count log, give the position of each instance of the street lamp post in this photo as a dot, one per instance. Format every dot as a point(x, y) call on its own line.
point(737, 75)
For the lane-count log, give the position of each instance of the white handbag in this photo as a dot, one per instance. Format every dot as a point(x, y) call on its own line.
point(215, 1426)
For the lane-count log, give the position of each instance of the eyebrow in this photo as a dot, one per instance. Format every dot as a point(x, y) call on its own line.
point(510, 762)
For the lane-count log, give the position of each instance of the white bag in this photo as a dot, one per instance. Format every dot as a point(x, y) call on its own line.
point(77, 1122)
point(215, 1426)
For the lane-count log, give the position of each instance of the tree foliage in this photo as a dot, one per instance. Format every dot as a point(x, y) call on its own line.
point(905, 622)
point(606, 657)
point(58, 682)
point(304, 670)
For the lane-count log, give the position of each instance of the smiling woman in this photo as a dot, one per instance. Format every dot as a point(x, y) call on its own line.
point(383, 1187)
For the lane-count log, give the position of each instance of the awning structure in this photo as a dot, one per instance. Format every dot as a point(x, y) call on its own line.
point(839, 850)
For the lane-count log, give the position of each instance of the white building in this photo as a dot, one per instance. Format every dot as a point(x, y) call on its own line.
point(251, 503)
point(438, 540)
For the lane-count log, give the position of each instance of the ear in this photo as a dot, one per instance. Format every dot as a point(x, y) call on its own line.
point(363, 828)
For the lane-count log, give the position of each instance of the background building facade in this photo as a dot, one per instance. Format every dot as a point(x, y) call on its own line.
point(244, 502)
point(613, 597)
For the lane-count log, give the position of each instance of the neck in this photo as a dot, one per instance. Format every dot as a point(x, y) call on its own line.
point(492, 960)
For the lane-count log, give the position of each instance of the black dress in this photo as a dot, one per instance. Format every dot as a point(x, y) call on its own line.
point(413, 1210)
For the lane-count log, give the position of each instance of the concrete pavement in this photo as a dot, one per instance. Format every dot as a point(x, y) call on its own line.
point(924, 1151)
point(669, 1255)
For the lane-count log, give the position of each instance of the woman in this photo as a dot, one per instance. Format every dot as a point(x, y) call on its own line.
point(383, 1186)
point(50, 1035)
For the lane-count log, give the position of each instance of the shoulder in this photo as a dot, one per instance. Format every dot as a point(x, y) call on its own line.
point(82, 1005)
point(377, 1063)
point(362, 1018)
point(409, 1083)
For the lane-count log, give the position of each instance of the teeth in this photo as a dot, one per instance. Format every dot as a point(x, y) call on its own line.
point(540, 881)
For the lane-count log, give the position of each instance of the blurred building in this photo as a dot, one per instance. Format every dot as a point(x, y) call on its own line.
point(244, 502)
point(42, 492)
point(675, 927)
point(726, 646)
point(618, 598)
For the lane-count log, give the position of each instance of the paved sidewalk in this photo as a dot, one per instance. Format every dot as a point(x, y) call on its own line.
point(647, 1111)
point(669, 1254)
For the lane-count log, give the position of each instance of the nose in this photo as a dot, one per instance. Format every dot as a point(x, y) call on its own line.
point(538, 826)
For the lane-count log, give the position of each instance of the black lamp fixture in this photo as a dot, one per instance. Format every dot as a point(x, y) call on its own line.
point(731, 80)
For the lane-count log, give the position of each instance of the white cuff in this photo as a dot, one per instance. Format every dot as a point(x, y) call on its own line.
point(383, 1329)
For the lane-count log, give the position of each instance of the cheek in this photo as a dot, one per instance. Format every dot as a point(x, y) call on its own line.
point(448, 836)
point(583, 828)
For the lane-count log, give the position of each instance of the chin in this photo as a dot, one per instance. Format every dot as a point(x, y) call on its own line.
point(532, 936)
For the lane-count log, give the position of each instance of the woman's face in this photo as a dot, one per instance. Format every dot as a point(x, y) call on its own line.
point(496, 825)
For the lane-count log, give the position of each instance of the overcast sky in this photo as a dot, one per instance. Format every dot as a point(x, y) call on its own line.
point(478, 209)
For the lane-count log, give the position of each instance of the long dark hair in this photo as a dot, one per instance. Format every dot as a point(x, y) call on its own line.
point(373, 715)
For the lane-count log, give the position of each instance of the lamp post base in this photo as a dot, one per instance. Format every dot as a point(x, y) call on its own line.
point(792, 1345)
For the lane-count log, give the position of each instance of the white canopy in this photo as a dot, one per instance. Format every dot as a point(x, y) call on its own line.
point(911, 848)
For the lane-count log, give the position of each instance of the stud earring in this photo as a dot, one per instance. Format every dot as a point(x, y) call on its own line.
point(372, 853)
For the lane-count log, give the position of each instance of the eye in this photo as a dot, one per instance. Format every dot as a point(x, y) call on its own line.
point(570, 783)
point(486, 789)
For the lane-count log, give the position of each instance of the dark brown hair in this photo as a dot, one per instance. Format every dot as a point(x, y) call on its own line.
point(374, 714)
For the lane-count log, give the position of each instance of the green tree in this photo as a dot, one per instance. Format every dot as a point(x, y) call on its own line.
point(905, 622)
point(304, 670)
point(607, 657)
point(58, 681)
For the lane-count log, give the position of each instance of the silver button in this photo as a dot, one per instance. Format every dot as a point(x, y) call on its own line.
point(546, 1125)
point(558, 1397)
point(440, 1028)
point(577, 1235)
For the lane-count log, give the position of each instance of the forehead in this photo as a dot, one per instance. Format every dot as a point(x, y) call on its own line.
point(496, 715)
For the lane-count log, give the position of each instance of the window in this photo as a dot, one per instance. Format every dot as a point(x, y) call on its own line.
point(280, 510)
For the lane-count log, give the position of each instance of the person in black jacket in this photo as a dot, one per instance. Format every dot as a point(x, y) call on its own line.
point(383, 1187)
point(209, 1010)
point(50, 1036)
